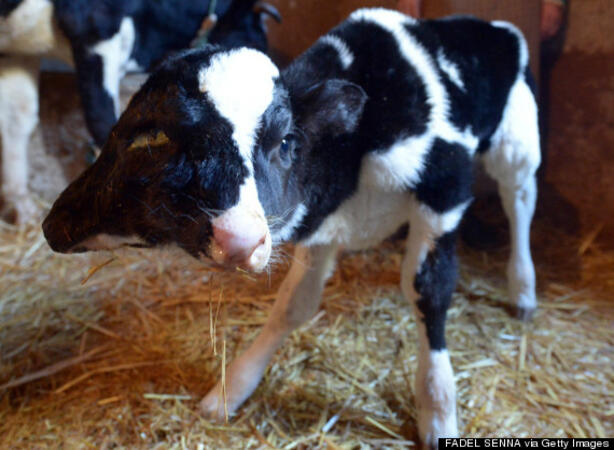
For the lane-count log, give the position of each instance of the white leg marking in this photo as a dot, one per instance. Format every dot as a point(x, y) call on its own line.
point(512, 162)
point(115, 53)
point(297, 300)
point(18, 118)
point(435, 389)
point(436, 396)
point(519, 205)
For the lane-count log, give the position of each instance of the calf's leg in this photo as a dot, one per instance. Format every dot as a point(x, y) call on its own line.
point(519, 205)
point(428, 279)
point(297, 300)
point(99, 89)
point(512, 161)
point(18, 119)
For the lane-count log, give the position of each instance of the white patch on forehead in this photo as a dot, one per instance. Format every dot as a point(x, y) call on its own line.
point(240, 84)
point(345, 55)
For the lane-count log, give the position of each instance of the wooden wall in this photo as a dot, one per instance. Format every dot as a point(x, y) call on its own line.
point(305, 20)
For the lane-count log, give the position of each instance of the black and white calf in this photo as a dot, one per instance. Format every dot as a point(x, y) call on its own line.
point(375, 125)
point(103, 40)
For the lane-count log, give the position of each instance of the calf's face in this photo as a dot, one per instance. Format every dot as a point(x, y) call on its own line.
point(204, 157)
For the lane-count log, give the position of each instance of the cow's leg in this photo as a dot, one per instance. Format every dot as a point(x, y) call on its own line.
point(513, 161)
point(99, 94)
point(428, 279)
point(99, 71)
point(18, 119)
point(519, 205)
point(297, 300)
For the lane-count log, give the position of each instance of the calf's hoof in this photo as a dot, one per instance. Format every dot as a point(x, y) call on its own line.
point(432, 427)
point(212, 406)
point(525, 314)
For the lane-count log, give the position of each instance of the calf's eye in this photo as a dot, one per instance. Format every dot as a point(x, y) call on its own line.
point(286, 151)
point(285, 145)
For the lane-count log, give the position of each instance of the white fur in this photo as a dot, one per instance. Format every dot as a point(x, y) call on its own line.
point(286, 231)
point(514, 153)
point(399, 167)
point(18, 118)
point(512, 162)
point(435, 396)
point(450, 69)
point(297, 300)
point(240, 84)
point(363, 220)
point(345, 54)
point(30, 29)
point(440, 224)
point(115, 53)
point(435, 390)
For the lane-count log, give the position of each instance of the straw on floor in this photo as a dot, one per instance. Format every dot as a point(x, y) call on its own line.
point(124, 358)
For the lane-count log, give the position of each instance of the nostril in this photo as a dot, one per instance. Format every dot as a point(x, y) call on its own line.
point(230, 248)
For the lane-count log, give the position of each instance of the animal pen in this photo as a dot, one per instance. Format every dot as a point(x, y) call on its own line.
point(117, 349)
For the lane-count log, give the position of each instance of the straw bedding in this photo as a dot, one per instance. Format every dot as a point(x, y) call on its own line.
point(123, 359)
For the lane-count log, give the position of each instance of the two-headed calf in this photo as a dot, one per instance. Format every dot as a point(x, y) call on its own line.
point(375, 125)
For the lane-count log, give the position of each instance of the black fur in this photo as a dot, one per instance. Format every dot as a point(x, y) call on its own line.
point(161, 27)
point(314, 136)
point(435, 284)
point(448, 179)
point(98, 106)
point(7, 6)
point(159, 194)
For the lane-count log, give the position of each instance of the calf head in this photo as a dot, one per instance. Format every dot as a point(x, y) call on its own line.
point(208, 156)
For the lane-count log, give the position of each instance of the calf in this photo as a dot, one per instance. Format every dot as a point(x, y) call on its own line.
point(373, 126)
point(102, 40)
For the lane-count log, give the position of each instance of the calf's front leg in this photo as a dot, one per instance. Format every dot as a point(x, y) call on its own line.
point(297, 300)
point(428, 279)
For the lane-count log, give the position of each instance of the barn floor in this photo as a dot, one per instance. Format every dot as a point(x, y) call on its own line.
point(122, 358)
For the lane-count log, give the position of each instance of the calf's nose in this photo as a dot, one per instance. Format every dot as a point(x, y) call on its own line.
point(242, 240)
point(55, 231)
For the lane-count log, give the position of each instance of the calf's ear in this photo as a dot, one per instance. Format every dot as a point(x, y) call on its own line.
point(332, 106)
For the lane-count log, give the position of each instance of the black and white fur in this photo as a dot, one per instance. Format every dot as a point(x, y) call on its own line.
point(103, 40)
point(377, 124)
